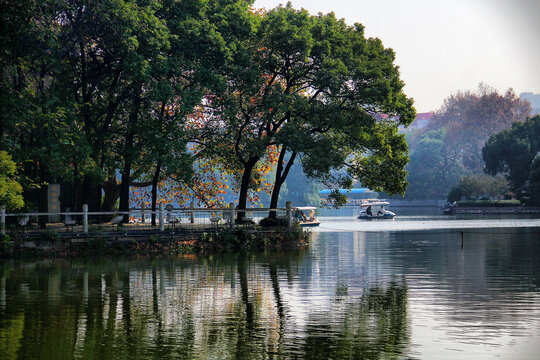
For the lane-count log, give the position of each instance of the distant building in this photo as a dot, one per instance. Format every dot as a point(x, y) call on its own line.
point(354, 196)
point(421, 120)
point(534, 99)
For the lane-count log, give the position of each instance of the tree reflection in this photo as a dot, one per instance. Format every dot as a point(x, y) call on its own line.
point(373, 327)
point(235, 306)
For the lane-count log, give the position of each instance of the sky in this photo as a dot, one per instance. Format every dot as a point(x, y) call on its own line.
point(446, 46)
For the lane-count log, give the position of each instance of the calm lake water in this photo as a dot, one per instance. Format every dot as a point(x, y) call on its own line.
point(402, 289)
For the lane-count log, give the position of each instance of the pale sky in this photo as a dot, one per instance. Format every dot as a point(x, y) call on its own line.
point(443, 46)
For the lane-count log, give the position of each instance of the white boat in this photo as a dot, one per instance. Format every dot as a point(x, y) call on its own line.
point(375, 209)
point(299, 215)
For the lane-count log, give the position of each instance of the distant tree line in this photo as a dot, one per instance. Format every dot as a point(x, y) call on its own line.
point(450, 146)
point(515, 153)
point(101, 96)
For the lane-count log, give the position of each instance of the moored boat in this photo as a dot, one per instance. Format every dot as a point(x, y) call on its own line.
point(375, 209)
point(306, 221)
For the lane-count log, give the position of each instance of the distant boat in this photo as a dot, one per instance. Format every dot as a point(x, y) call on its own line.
point(374, 209)
point(306, 221)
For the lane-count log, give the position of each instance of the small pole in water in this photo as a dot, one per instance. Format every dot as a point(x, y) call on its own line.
point(462, 239)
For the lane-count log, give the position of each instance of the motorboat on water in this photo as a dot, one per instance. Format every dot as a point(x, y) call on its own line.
point(375, 209)
point(299, 215)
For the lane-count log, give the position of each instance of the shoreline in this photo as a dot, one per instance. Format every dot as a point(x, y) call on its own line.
point(457, 210)
point(154, 242)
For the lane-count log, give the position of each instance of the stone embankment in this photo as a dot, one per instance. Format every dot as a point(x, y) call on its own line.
point(492, 210)
point(154, 242)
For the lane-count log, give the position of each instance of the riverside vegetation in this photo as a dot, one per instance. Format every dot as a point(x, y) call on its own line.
point(224, 240)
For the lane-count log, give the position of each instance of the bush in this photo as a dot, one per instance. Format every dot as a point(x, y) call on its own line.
point(5, 243)
point(53, 235)
point(242, 240)
point(271, 222)
point(455, 194)
point(479, 187)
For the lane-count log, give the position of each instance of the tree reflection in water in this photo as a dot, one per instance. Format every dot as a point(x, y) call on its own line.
point(240, 307)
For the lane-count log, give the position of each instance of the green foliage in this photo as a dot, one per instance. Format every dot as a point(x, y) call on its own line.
point(432, 168)
point(455, 194)
point(534, 181)
point(53, 235)
point(5, 243)
point(511, 152)
point(483, 186)
point(271, 222)
point(94, 89)
point(243, 240)
point(315, 87)
point(10, 189)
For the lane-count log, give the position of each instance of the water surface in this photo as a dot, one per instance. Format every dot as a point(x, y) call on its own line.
point(394, 293)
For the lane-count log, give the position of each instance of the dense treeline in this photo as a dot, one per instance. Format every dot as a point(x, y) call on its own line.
point(450, 146)
point(515, 152)
point(103, 95)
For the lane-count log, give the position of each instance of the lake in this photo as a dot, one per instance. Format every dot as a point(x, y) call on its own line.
point(403, 289)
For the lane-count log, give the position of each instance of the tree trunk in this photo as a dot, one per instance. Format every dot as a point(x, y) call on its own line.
point(244, 186)
point(128, 157)
point(112, 192)
point(124, 190)
point(281, 175)
point(155, 181)
point(43, 205)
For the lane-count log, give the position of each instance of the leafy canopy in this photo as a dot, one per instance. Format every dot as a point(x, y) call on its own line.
point(10, 189)
point(512, 151)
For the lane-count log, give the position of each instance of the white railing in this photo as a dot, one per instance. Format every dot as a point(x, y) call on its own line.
point(139, 218)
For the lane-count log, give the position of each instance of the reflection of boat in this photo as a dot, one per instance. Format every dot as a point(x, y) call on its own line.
point(305, 221)
point(375, 209)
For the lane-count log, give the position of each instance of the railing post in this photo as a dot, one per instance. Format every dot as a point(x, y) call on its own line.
point(192, 213)
point(143, 211)
point(85, 217)
point(3, 220)
point(288, 205)
point(161, 218)
point(231, 214)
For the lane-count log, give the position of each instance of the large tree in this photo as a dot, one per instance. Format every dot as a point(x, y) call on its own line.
point(93, 89)
point(316, 88)
point(511, 152)
point(471, 118)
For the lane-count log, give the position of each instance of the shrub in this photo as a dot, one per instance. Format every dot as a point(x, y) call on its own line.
point(270, 222)
point(479, 187)
point(5, 243)
point(53, 235)
point(455, 194)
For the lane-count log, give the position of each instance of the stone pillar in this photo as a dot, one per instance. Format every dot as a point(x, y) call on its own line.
point(3, 220)
point(161, 218)
point(53, 202)
point(85, 217)
point(288, 205)
point(231, 214)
